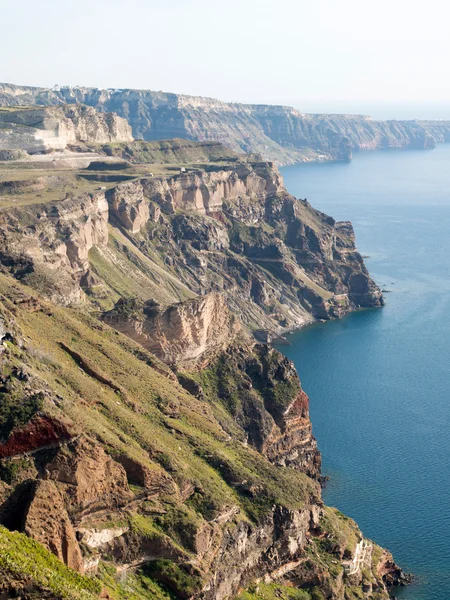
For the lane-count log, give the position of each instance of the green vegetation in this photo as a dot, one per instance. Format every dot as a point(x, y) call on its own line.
point(133, 586)
point(174, 151)
point(118, 394)
point(181, 524)
point(16, 406)
point(192, 449)
point(273, 591)
point(25, 560)
point(11, 468)
point(342, 531)
point(25, 184)
point(43, 179)
point(127, 273)
point(178, 578)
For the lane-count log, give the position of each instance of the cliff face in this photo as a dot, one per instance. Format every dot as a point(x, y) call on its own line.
point(204, 192)
point(35, 129)
point(230, 228)
point(182, 334)
point(277, 260)
point(49, 245)
point(279, 133)
point(200, 484)
point(158, 451)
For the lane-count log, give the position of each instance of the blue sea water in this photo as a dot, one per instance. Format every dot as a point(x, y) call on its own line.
point(379, 379)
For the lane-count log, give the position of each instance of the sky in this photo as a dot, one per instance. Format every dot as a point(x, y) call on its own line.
point(315, 54)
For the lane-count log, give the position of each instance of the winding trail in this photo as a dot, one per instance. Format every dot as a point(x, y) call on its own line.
point(363, 548)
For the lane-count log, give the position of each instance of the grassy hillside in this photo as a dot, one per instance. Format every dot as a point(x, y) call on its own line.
point(190, 472)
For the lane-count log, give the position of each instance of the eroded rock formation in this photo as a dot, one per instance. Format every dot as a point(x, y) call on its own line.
point(182, 334)
point(50, 244)
point(128, 205)
point(205, 192)
point(37, 129)
point(231, 229)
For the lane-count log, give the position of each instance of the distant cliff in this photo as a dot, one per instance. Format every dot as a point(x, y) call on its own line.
point(38, 129)
point(278, 133)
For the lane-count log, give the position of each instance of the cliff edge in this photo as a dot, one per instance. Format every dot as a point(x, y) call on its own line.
point(230, 228)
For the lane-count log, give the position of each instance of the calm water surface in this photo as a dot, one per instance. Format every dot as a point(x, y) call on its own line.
point(379, 380)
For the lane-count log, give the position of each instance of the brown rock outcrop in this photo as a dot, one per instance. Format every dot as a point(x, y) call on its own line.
point(261, 389)
point(49, 244)
point(182, 334)
point(155, 480)
point(291, 443)
point(47, 521)
point(36, 508)
point(89, 476)
point(128, 205)
point(42, 431)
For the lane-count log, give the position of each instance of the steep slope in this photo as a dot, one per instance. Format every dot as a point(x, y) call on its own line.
point(185, 487)
point(278, 133)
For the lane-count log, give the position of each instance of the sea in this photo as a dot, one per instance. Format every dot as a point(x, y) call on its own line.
point(379, 379)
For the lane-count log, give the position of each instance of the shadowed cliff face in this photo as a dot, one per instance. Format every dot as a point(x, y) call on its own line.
point(279, 133)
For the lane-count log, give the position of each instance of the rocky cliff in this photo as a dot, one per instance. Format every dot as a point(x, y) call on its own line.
point(151, 485)
point(41, 129)
point(230, 228)
point(48, 245)
point(149, 446)
point(183, 334)
point(279, 133)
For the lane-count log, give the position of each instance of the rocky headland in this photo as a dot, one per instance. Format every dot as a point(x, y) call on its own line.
point(151, 444)
point(230, 228)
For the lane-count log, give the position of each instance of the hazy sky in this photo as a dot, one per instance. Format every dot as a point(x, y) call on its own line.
point(291, 51)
